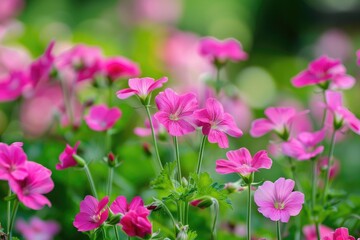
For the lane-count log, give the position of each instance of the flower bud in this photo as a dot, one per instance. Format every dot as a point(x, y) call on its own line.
point(146, 148)
point(80, 161)
point(111, 159)
point(183, 235)
point(113, 219)
point(154, 206)
point(202, 202)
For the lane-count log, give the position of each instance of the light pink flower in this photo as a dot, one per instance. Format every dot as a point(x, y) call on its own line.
point(278, 119)
point(176, 111)
point(322, 71)
point(334, 169)
point(241, 162)
point(92, 213)
point(12, 162)
point(37, 229)
point(146, 131)
point(9, 9)
point(310, 232)
point(120, 67)
point(216, 123)
point(303, 147)
point(339, 234)
point(13, 85)
point(12, 58)
point(134, 220)
point(277, 200)
point(141, 87)
point(101, 118)
point(30, 190)
point(66, 157)
point(222, 51)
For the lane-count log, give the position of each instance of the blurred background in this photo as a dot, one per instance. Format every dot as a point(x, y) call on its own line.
point(280, 36)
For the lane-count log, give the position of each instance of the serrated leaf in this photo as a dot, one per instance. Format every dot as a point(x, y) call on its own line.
point(163, 182)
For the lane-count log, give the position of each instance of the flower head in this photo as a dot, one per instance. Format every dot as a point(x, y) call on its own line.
point(41, 68)
point(277, 200)
point(303, 147)
point(176, 112)
point(310, 232)
point(66, 157)
point(339, 234)
point(12, 162)
point(240, 161)
point(30, 190)
point(92, 213)
point(37, 229)
point(13, 85)
point(120, 67)
point(101, 118)
point(216, 123)
point(141, 87)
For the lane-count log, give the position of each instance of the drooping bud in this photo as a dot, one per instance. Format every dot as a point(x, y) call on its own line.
point(202, 202)
point(80, 161)
point(154, 206)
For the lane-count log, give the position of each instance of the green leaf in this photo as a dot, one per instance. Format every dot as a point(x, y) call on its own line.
point(164, 182)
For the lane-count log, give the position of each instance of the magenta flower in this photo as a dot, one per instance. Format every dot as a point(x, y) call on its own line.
point(339, 234)
point(303, 147)
point(37, 229)
point(30, 190)
point(176, 112)
point(12, 162)
point(216, 123)
point(141, 87)
point(241, 162)
point(92, 213)
point(66, 157)
point(221, 51)
point(101, 118)
point(322, 71)
point(277, 200)
point(120, 67)
point(146, 131)
point(134, 220)
point(13, 85)
point(278, 119)
point(340, 115)
point(310, 232)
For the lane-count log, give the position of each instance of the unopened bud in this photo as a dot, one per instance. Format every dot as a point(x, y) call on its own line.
point(202, 202)
point(183, 235)
point(111, 159)
point(80, 161)
point(113, 219)
point(146, 148)
point(154, 206)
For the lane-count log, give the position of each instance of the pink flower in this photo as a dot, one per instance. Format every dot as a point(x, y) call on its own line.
point(279, 119)
point(241, 162)
point(322, 71)
point(216, 123)
point(13, 85)
point(303, 147)
point(30, 190)
point(334, 169)
point(141, 87)
point(9, 8)
point(12, 162)
point(101, 118)
point(134, 220)
point(37, 229)
point(340, 115)
point(92, 213)
point(222, 51)
point(120, 67)
point(310, 232)
point(339, 234)
point(143, 132)
point(66, 157)
point(176, 112)
point(277, 201)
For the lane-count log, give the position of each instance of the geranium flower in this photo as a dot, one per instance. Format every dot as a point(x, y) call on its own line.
point(101, 118)
point(323, 164)
point(310, 232)
point(240, 161)
point(12, 162)
point(339, 234)
point(30, 190)
point(120, 67)
point(303, 147)
point(216, 123)
point(66, 157)
point(13, 85)
point(277, 200)
point(92, 213)
point(176, 112)
point(37, 229)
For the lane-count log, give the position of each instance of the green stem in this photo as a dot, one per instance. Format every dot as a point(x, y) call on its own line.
point(110, 92)
point(201, 154)
point(216, 213)
point(218, 83)
point(278, 231)
point(317, 227)
point(248, 222)
point(177, 156)
point(293, 173)
point(8, 213)
point(186, 212)
point(91, 181)
point(330, 162)
point(13, 216)
point(110, 180)
point(314, 184)
point(116, 232)
point(325, 111)
point(169, 213)
point(67, 100)
point(108, 141)
point(154, 137)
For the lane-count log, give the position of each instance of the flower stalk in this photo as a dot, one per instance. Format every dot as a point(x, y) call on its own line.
point(278, 230)
point(329, 164)
point(91, 181)
point(201, 154)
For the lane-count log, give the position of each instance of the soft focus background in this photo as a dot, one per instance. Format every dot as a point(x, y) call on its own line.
point(280, 36)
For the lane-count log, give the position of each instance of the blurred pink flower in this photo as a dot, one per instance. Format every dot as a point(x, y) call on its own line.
point(92, 213)
point(12, 162)
point(37, 229)
point(13, 85)
point(303, 147)
point(239, 110)
point(9, 9)
point(146, 131)
point(141, 87)
point(334, 169)
point(12, 59)
point(310, 232)
point(241, 162)
point(277, 200)
point(322, 71)
point(66, 157)
point(335, 43)
point(30, 190)
point(134, 216)
point(339, 234)
point(102, 118)
point(119, 67)
point(218, 51)
point(216, 123)
point(176, 111)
